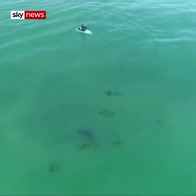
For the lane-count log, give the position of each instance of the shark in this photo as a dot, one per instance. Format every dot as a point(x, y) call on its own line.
point(88, 135)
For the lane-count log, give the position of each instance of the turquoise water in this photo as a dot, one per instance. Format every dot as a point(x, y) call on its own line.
point(130, 86)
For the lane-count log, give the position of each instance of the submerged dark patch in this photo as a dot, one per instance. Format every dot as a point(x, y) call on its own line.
point(88, 135)
point(85, 146)
point(52, 167)
point(111, 93)
point(116, 142)
point(107, 113)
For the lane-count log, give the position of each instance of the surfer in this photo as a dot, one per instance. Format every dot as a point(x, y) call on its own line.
point(83, 27)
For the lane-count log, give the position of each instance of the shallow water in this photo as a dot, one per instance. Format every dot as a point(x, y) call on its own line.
point(131, 85)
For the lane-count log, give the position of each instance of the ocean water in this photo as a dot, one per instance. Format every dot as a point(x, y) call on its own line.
point(130, 87)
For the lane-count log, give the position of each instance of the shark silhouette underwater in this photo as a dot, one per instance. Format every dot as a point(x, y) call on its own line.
point(89, 138)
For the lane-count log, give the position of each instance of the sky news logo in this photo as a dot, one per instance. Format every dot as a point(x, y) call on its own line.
point(28, 15)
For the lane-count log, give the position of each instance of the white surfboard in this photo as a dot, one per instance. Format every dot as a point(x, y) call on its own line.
point(86, 31)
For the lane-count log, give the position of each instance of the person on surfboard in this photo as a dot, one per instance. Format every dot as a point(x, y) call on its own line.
point(83, 27)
